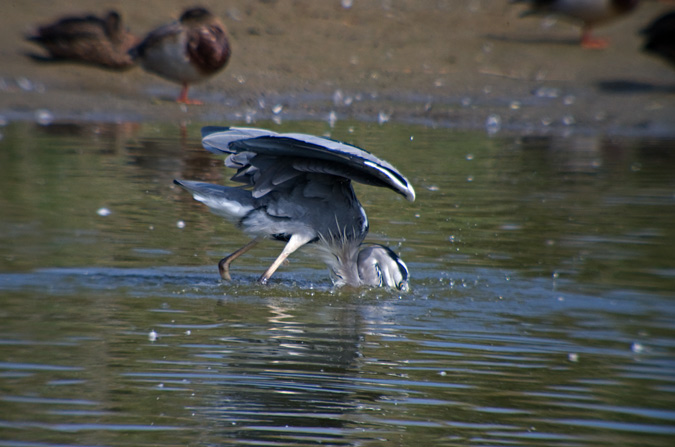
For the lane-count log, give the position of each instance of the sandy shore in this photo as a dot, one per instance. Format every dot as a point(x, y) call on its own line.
point(455, 63)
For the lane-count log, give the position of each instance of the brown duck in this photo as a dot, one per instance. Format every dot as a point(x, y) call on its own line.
point(90, 39)
point(188, 51)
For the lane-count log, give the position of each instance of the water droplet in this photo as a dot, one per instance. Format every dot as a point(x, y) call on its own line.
point(24, 84)
point(180, 224)
point(637, 347)
point(493, 124)
point(383, 117)
point(338, 97)
point(103, 212)
point(332, 118)
point(152, 336)
point(547, 92)
point(249, 116)
point(277, 109)
point(44, 117)
point(573, 357)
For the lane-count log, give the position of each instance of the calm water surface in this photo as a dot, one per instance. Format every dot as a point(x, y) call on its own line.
point(542, 310)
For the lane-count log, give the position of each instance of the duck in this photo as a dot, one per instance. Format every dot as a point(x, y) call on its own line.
point(100, 41)
point(589, 12)
point(187, 51)
point(660, 37)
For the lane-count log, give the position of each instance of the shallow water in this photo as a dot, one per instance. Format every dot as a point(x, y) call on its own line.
point(541, 311)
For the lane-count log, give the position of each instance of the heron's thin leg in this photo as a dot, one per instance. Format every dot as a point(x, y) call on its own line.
point(296, 241)
point(224, 264)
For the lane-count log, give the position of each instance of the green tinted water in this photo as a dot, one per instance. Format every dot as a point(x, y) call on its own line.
point(541, 310)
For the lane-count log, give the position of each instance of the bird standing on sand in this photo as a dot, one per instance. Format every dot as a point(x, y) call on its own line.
point(661, 37)
point(89, 39)
point(589, 12)
point(299, 191)
point(188, 51)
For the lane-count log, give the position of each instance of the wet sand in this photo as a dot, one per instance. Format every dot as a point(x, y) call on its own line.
point(453, 63)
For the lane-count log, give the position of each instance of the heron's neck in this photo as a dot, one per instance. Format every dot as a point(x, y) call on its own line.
point(341, 256)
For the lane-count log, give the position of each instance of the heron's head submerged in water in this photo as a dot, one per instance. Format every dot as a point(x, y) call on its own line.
point(355, 264)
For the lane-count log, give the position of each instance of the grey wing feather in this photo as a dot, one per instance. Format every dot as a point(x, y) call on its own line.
point(231, 203)
point(309, 154)
point(218, 139)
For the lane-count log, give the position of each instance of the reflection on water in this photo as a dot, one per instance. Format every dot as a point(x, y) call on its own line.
point(541, 311)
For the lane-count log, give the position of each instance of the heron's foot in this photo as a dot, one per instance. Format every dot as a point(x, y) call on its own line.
point(263, 280)
point(224, 268)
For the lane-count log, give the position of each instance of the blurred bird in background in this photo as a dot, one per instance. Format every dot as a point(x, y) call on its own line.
point(103, 42)
point(590, 13)
point(660, 37)
point(187, 51)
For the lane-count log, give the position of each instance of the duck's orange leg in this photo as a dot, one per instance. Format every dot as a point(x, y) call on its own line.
point(183, 97)
point(590, 42)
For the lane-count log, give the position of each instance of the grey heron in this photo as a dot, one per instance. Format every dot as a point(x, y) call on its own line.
point(297, 188)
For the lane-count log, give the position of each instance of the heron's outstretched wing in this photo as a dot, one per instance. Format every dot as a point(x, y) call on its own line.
point(306, 153)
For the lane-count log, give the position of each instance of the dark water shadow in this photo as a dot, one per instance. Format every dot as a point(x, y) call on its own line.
point(628, 86)
point(533, 39)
